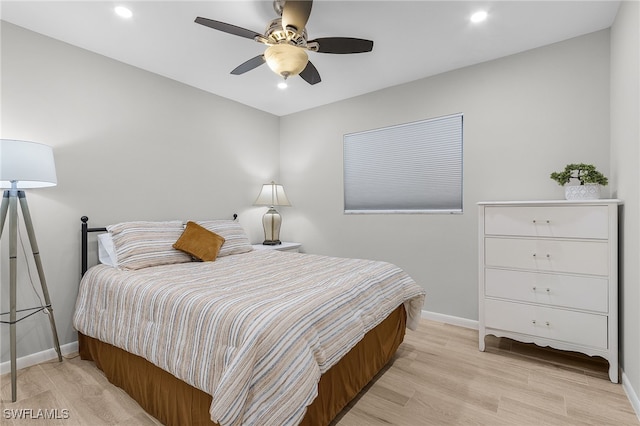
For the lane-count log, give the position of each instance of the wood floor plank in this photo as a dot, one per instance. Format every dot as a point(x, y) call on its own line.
point(437, 377)
point(516, 408)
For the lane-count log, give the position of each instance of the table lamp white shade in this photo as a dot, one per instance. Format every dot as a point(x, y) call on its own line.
point(28, 164)
point(272, 194)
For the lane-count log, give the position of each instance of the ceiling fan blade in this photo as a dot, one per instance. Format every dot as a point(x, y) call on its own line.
point(296, 14)
point(227, 28)
point(343, 45)
point(310, 74)
point(249, 65)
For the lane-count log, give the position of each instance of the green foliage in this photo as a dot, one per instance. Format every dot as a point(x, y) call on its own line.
point(584, 173)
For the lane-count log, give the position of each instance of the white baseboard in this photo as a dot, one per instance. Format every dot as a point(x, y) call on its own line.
point(631, 394)
point(449, 319)
point(37, 358)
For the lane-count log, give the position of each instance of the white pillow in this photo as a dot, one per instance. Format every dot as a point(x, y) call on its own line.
point(106, 250)
point(235, 239)
point(143, 244)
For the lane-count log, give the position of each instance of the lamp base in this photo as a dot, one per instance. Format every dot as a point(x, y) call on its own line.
point(271, 222)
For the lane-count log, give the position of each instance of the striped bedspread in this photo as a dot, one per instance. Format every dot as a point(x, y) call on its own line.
point(254, 330)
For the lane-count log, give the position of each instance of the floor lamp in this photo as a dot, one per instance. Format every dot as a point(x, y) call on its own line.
point(23, 165)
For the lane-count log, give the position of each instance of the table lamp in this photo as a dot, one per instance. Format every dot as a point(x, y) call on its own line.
point(272, 195)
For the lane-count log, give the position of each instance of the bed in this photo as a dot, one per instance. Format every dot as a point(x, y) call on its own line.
point(252, 337)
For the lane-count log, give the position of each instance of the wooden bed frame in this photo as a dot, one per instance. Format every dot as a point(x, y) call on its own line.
point(174, 402)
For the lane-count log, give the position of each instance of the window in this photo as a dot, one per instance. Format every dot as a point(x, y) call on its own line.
point(407, 168)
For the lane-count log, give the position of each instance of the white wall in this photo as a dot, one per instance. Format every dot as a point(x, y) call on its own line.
point(625, 177)
point(128, 145)
point(525, 116)
point(133, 145)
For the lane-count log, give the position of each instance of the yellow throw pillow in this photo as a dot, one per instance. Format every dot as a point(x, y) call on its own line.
point(199, 242)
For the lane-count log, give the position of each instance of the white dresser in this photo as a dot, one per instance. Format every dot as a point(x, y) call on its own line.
point(549, 275)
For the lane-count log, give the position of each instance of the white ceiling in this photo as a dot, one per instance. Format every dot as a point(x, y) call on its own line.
point(412, 40)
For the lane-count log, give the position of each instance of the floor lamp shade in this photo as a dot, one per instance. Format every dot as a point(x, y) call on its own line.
point(272, 195)
point(27, 164)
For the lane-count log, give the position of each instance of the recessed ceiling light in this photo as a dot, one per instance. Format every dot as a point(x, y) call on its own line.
point(282, 85)
point(123, 12)
point(479, 16)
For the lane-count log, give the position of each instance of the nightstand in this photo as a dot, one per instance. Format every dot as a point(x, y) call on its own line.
point(285, 246)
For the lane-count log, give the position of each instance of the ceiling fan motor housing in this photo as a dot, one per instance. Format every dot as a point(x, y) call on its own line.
point(276, 34)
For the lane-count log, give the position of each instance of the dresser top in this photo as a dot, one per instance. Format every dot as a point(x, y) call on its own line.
point(549, 202)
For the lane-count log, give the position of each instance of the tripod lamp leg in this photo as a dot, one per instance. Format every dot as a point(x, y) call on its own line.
point(36, 256)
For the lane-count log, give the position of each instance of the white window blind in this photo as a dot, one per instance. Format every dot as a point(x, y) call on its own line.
point(408, 168)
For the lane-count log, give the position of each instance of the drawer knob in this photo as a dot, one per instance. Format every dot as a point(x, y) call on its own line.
point(545, 221)
point(533, 322)
point(547, 255)
point(547, 323)
point(548, 290)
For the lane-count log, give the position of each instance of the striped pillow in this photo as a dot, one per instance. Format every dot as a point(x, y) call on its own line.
point(235, 239)
point(143, 244)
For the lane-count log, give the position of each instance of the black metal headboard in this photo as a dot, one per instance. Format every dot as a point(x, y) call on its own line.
point(85, 241)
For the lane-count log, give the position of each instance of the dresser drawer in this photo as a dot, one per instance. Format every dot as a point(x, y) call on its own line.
point(568, 221)
point(582, 257)
point(557, 324)
point(570, 291)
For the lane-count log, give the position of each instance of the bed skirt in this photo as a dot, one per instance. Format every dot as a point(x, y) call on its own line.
point(174, 402)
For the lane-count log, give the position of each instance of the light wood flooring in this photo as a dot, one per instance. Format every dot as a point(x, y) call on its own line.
point(438, 377)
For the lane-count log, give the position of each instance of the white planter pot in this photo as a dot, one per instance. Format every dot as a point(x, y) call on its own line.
point(589, 191)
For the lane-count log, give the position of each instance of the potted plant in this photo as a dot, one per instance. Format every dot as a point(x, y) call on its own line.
point(588, 181)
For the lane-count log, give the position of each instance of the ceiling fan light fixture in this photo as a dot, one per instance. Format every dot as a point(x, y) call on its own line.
point(123, 12)
point(285, 59)
point(479, 16)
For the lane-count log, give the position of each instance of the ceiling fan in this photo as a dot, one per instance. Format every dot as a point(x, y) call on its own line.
point(287, 40)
